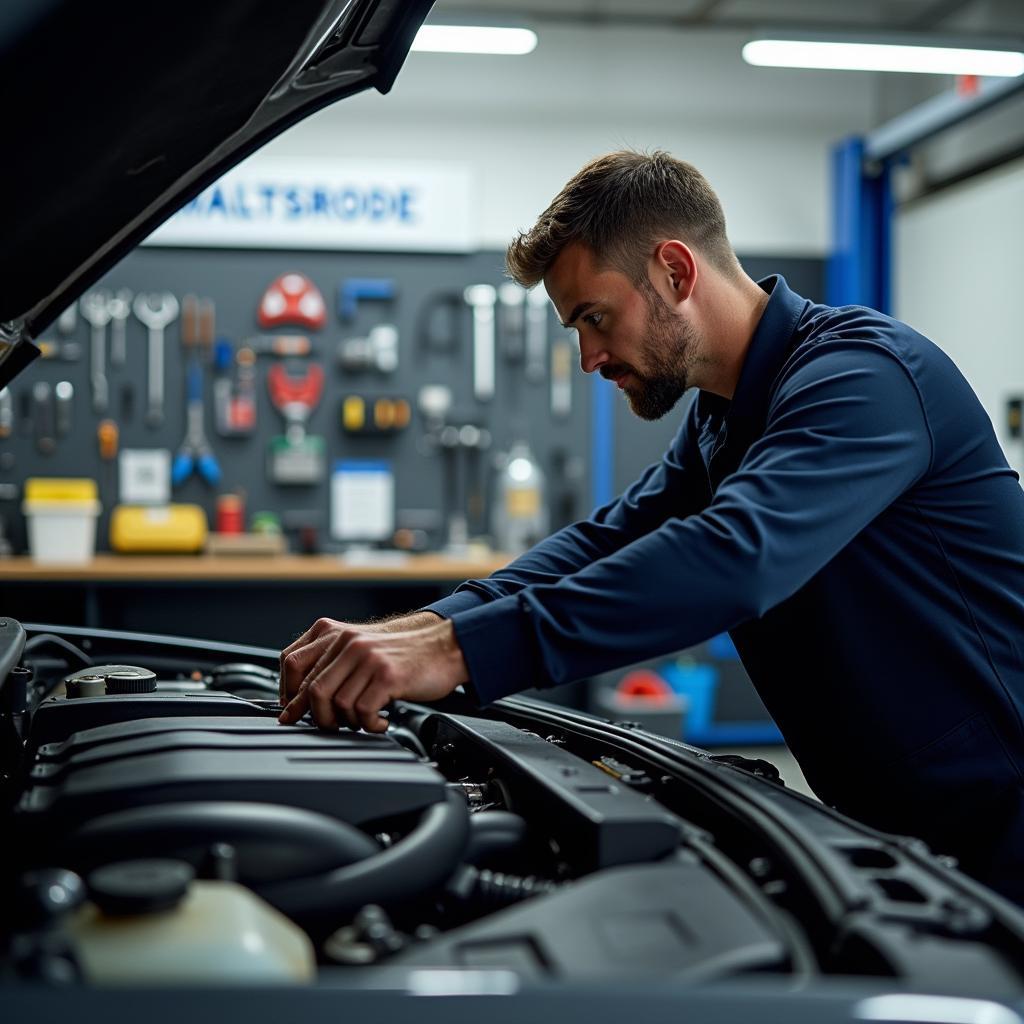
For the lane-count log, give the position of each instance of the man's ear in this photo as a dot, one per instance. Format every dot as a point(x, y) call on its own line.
point(676, 268)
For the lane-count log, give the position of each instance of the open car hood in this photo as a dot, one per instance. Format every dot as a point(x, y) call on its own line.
point(117, 113)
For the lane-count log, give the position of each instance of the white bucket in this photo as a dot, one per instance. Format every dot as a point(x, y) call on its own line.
point(61, 531)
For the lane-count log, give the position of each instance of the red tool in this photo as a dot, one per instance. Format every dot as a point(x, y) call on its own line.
point(286, 391)
point(292, 299)
point(296, 457)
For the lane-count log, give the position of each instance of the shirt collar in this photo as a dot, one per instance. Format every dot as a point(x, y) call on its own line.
point(769, 346)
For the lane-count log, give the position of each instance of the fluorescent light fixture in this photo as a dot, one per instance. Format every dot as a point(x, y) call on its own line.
point(931, 60)
point(475, 39)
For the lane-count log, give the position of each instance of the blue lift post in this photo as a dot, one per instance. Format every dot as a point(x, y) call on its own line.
point(602, 441)
point(860, 266)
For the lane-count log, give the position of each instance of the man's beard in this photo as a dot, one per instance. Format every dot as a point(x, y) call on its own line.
point(667, 352)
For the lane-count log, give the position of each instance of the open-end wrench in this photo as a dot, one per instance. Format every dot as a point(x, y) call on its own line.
point(95, 309)
point(481, 298)
point(120, 308)
point(156, 310)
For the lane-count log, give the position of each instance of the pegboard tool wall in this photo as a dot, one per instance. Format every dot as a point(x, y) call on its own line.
point(236, 281)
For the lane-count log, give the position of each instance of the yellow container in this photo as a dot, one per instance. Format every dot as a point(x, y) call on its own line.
point(158, 529)
point(61, 514)
point(69, 489)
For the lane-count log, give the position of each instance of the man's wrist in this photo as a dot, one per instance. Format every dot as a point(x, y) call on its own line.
point(456, 668)
point(407, 623)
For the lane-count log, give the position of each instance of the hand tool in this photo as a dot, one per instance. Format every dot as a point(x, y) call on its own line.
point(64, 393)
point(120, 307)
point(234, 398)
point(512, 320)
point(156, 310)
point(292, 299)
point(207, 329)
point(280, 345)
point(481, 298)
point(95, 309)
point(359, 289)
point(189, 324)
point(43, 417)
point(378, 350)
point(195, 453)
point(68, 320)
point(537, 305)
point(127, 402)
point(26, 424)
point(107, 435)
point(6, 412)
point(296, 458)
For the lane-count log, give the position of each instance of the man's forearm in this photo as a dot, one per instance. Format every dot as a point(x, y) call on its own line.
point(407, 621)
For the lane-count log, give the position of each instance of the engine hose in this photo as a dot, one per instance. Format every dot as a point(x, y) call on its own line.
point(421, 861)
point(273, 842)
point(492, 890)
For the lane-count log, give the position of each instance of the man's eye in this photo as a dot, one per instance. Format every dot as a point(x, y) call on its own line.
point(593, 318)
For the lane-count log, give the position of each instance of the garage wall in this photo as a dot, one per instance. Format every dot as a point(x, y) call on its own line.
point(959, 267)
point(525, 124)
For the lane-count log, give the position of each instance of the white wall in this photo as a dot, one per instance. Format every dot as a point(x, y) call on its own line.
point(525, 124)
point(959, 277)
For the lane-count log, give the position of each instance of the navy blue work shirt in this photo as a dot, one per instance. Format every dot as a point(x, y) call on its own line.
point(851, 520)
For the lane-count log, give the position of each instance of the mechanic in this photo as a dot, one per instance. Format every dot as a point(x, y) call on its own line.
point(835, 497)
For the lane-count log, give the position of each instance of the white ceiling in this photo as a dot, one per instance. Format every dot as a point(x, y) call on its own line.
point(982, 17)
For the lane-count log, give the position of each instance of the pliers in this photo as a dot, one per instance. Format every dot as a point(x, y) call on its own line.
point(195, 452)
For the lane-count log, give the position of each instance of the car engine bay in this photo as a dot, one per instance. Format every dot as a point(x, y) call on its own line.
point(163, 828)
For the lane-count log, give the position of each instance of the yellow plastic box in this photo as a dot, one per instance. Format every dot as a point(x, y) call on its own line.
point(158, 529)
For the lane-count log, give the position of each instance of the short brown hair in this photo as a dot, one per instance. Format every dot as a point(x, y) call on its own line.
point(620, 206)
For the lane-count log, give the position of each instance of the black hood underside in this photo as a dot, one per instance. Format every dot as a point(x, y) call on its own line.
point(116, 113)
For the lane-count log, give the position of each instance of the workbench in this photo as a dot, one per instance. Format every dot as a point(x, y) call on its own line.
point(266, 600)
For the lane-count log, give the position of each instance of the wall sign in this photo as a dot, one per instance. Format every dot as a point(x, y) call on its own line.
point(393, 206)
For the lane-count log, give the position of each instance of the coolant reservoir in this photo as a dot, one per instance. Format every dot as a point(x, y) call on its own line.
point(149, 922)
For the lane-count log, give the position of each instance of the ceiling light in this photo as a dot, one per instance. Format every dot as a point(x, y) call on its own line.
point(474, 39)
point(933, 60)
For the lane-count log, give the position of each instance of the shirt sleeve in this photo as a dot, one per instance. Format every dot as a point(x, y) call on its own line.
point(665, 488)
point(846, 435)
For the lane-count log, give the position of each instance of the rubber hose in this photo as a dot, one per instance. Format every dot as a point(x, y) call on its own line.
point(494, 833)
point(422, 861)
point(492, 890)
point(274, 842)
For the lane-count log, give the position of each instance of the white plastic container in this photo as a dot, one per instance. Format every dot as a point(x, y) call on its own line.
point(220, 934)
point(61, 516)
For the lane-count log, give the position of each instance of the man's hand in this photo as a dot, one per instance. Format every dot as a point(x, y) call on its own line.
point(301, 655)
point(347, 674)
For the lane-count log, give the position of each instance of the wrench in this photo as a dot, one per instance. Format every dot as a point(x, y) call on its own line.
point(95, 309)
point(481, 298)
point(156, 310)
point(119, 307)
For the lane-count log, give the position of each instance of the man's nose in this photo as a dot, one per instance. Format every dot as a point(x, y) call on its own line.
point(592, 357)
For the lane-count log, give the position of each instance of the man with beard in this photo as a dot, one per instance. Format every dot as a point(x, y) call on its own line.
point(835, 498)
